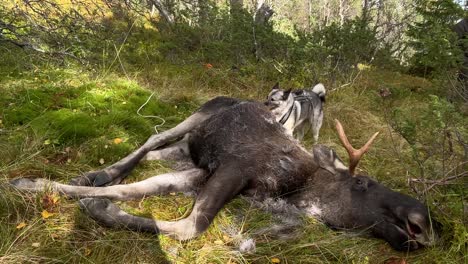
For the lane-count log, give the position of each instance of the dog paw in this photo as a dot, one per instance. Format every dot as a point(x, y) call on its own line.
point(29, 184)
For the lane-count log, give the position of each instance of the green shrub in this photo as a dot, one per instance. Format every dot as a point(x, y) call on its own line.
point(435, 44)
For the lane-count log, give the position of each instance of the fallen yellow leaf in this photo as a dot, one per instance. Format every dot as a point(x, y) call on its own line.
point(46, 214)
point(219, 242)
point(21, 225)
point(36, 245)
point(49, 201)
point(118, 140)
point(275, 260)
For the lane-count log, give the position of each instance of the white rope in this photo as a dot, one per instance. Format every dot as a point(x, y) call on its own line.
point(151, 116)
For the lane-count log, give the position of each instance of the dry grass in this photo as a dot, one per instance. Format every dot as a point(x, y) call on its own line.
point(69, 236)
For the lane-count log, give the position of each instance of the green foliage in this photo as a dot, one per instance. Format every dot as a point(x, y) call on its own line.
point(333, 51)
point(224, 38)
point(349, 44)
point(435, 137)
point(431, 136)
point(435, 44)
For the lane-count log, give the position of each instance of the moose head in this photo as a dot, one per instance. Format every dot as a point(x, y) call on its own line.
point(345, 200)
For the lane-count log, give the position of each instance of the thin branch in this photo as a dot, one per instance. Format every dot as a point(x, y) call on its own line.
point(443, 181)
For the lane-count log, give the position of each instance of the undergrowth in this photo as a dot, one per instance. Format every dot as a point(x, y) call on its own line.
point(59, 123)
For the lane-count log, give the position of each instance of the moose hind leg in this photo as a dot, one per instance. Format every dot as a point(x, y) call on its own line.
point(184, 181)
point(219, 190)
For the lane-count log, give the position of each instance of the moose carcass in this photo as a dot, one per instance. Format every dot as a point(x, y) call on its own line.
point(237, 147)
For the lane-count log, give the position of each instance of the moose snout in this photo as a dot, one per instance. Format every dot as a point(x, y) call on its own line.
point(419, 229)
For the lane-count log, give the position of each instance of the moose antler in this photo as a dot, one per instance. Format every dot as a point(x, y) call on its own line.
point(354, 154)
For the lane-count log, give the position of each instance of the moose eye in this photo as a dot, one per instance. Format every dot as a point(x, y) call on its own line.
point(360, 185)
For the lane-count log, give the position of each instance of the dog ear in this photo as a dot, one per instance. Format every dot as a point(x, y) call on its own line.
point(286, 93)
point(276, 86)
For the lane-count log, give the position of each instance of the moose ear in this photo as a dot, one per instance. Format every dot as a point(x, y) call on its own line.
point(276, 86)
point(286, 94)
point(327, 159)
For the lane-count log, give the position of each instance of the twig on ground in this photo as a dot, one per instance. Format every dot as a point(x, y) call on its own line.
point(444, 181)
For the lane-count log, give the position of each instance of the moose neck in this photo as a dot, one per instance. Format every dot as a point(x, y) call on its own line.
point(323, 196)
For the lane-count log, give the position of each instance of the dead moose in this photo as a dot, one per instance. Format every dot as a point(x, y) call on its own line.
point(237, 147)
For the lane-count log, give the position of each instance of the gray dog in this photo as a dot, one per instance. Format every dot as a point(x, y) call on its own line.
point(299, 109)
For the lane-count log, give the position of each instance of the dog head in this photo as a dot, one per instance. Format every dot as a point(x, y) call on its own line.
point(279, 101)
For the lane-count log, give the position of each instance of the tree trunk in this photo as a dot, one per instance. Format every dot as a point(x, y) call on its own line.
point(309, 15)
point(341, 12)
point(236, 3)
point(203, 11)
point(163, 11)
point(263, 13)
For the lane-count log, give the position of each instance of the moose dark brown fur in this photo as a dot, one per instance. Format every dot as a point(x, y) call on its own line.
point(237, 147)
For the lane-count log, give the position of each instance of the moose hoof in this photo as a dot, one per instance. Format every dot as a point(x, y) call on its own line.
point(93, 178)
point(29, 184)
point(101, 210)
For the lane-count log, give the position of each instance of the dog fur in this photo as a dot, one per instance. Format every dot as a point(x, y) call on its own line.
point(298, 110)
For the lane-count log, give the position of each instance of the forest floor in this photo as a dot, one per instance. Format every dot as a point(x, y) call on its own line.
point(60, 123)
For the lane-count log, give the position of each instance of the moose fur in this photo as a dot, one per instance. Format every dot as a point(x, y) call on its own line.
point(237, 147)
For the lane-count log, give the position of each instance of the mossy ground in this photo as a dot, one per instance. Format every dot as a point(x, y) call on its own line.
point(58, 124)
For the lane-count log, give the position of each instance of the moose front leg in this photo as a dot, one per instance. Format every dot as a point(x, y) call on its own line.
point(184, 181)
point(115, 173)
point(220, 189)
point(178, 151)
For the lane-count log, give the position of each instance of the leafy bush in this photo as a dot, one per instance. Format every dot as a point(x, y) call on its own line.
point(436, 47)
point(436, 138)
point(334, 51)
